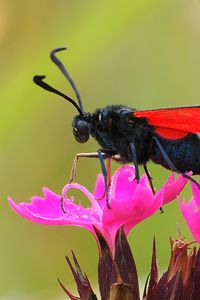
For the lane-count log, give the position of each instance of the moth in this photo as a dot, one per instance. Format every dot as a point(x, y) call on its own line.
point(169, 136)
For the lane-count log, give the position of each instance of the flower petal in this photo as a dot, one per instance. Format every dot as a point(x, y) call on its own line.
point(172, 188)
point(130, 209)
point(99, 191)
point(191, 212)
point(48, 211)
point(123, 183)
point(130, 203)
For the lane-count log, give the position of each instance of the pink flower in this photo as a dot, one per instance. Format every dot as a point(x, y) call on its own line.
point(130, 204)
point(191, 212)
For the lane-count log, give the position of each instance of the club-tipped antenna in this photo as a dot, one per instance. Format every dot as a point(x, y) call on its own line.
point(62, 68)
point(38, 79)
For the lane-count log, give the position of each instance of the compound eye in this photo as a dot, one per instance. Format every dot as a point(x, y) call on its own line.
point(81, 131)
point(82, 127)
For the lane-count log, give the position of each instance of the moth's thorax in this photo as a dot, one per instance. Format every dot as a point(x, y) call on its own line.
point(115, 127)
point(105, 118)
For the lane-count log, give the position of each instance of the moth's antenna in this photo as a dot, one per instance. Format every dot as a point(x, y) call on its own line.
point(62, 68)
point(38, 79)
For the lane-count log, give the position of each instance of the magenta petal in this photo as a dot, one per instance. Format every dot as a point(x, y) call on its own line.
point(123, 183)
point(39, 209)
point(146, 205)
point(196, 194)
point(129, 210)
point(172, 188)
point(48, 211)
point(99, 186)
point(99, 190)
point(191, 212)
point(130, 202)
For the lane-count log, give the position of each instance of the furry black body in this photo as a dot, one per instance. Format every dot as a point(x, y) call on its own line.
point(115, 128)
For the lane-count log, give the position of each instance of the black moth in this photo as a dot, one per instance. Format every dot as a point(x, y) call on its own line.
point(167, 136)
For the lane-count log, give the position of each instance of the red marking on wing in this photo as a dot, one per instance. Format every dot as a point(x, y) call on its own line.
point(173, 123)
point(171, 134)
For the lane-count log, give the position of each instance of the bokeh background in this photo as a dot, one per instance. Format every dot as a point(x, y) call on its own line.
point(140, 53)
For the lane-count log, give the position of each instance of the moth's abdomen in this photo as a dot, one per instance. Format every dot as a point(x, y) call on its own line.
point(185, 154)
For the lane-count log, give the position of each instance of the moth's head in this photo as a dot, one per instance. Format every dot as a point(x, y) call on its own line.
point(82, 122)
point(82, 127)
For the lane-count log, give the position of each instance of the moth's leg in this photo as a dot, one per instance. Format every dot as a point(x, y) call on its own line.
point(116, 158)
point(109, 171)
point(149, 179)
point(170, 163)
point(108, 168)
point(105, 175)
point(151, 183)
point(134, 155)
point(103, 153)
point(75, 162)
point(73, 170)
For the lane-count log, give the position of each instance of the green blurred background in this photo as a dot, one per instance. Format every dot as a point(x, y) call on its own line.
point(141, 53)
